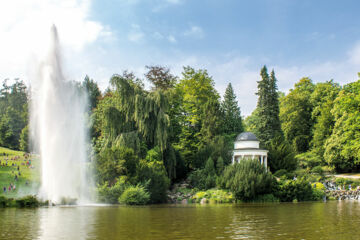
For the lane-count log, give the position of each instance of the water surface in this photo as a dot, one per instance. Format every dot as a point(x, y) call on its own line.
point(331, 220)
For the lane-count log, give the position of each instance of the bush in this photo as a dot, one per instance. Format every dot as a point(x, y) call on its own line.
point(317, 194)
point(343, 181)
point(204, 178)
point(111, 194)
point(299, 189)
point(27, 201)
point(246, 179)
point(153, 176)
point(317, 170)
point(308, 160)
point(281, 155)
point(134, 196)
point(214, 196)
point(281, 172)
point(266, 198)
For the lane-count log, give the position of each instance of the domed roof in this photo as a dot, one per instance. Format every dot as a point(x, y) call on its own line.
point(246, 136)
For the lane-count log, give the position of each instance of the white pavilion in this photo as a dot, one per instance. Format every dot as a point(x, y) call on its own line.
point(247, 146)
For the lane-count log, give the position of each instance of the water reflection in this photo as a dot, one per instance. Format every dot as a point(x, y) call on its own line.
point(331, 220)
point(66, 222)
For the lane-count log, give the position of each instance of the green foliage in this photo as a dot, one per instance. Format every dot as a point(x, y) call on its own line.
point(134, 195)
point(317, 170)
point(13, 113)
point(342, 148)
point(281, 155)
point(231, 113)
point(204, 178)
point(267, 124)
point(281, 172)
point(323, 101)
point(93, 92)
point(153, 176)
point(266, 198)
point(308, 160)
point(299, 189)
point(114, 162)
point(200, 112)
point(214, 196)
point(295, 115)
point(246, 179)
point(111, 194)
point(24, 139)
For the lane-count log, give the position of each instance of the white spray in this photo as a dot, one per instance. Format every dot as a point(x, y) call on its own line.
point(58, 129)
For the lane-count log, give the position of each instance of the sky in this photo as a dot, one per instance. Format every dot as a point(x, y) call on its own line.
point(232, 39)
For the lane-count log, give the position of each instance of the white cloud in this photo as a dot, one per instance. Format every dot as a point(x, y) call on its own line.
point(171, 39)
point(354, 55)
point(25, 30)
point(136, 34)
point(174, 1)
point(194, 31)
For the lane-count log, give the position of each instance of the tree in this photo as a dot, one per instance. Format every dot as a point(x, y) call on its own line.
point(160, 77)
point(281, 155)
point(231, 113)
point(246, 179)
point(13, 113)
point(267, 109)
point(24, 139)
point(295, 115)
point(342, 148)
point(322, 100)
point(93, 92)
point(199, 104)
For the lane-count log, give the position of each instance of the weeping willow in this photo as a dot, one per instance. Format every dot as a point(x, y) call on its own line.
point(148, 110)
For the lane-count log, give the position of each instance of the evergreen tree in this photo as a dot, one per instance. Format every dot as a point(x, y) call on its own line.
point(268, 124)
point(232, 116)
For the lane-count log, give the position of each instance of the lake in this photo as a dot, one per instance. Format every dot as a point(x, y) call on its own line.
point(310, 220)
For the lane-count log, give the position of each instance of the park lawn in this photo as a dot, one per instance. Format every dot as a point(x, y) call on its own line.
point(7, 174)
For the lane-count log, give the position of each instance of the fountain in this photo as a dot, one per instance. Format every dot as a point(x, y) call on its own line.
point(58, 131)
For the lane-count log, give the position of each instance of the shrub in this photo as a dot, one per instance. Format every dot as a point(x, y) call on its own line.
point(318, 185)
point(317, 194)
point(289, 190)
point(308, 159)
point(246, 179)
point(111, 194)
point(343, 181)
point(134, 196)
point(281, 155)
point(318, 170)
point(153, 176)
point(204, 178)
point(281, 172)
point(214, 196)
point(27, 201)
point(266, 198)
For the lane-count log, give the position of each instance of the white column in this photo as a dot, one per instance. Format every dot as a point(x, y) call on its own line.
point(266, 162)
point(261, 159)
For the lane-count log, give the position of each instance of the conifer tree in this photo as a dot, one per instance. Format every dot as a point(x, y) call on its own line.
point(268, 125)
point(232, 116)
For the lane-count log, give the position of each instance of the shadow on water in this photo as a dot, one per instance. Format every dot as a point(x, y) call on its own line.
point(331, 220)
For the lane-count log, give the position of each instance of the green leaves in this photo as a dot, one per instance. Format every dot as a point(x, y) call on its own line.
point(246, 179)
point(266, 124)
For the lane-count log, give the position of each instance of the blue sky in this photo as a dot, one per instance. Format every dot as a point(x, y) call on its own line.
point(232, 39)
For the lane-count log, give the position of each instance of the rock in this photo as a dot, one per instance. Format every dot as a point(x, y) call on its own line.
point(184, 201)
point(203, 201)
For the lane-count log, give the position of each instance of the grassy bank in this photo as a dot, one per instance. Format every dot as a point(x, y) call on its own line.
point(27, 169)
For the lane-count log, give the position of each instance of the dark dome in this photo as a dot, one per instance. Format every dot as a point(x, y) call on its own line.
point(246, 136)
